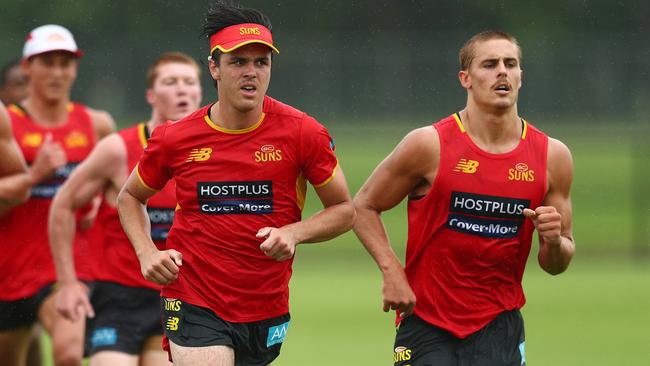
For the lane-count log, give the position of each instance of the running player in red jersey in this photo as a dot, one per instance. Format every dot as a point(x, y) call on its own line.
point(478, 182)
point(126, 327)
point(13, 172)
point(54, 135)
point(240, 166)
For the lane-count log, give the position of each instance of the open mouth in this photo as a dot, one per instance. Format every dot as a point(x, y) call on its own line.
point(502, 87)
point(182, 104)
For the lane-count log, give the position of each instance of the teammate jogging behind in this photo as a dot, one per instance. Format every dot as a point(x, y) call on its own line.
point(478, 183)
point(126, 326)
point(240, 165)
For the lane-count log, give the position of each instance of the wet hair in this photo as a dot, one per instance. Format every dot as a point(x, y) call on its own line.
point(168, 58)
point(4, 71)
point(223, 14)
point(467, 52)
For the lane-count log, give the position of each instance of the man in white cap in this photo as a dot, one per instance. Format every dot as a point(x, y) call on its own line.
point(54, 135)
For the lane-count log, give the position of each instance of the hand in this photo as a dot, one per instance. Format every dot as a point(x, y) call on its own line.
point(548, 223)
point(279, 243)
point(161, 266)
point(87, 219)
point(72, 301)
point(397, 293)
point(49, 158)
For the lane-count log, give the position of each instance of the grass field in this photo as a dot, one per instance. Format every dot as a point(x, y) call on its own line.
point(595, 314)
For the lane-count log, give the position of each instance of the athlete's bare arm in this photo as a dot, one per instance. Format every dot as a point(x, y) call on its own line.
point(157, 266)
point(553, 220)
point(14, 180)
point(409, 169)
point(104, 170)
point(336, 218)
point(102, 122)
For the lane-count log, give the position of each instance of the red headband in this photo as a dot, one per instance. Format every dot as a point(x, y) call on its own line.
point(235, 36)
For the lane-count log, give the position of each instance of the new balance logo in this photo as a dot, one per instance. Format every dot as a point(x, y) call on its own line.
point(202, 154)
point(466, 166)
point(172, 323)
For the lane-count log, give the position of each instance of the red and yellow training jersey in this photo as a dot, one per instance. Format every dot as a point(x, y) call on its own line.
point(468, 241)
point(230, 184)
point(26, 259)
point(120, 264)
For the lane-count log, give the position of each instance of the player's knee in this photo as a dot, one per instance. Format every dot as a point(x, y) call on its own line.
point(66, 356)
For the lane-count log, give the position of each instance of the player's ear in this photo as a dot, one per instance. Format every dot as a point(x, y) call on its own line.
point(150, 96)
point(215, 72)
point(464, 78)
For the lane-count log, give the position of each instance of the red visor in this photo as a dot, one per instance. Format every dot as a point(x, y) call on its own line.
point(235, 36)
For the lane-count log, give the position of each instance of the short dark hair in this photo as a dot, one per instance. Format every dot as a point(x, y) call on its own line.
point(467, 54)
point(223, 14)
point(4, 71)
point(168, 58)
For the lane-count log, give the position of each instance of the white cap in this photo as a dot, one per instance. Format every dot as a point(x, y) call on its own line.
point(50, 37)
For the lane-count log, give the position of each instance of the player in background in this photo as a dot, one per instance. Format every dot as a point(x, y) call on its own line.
point(240, 165)
point(478, 182)
point(13, 83)
point(126, 328)
point(54, 135)
point(13, 172)
point(13, 89)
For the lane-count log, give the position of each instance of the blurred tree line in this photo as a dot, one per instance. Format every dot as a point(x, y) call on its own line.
point(584, 60)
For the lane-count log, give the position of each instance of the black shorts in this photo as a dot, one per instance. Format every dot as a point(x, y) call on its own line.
point(255, 343)
point(500, 343)
point(125, 317)
point(24, 312)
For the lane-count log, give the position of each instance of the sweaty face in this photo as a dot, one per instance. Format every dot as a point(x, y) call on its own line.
point(51, 75)
point(15, 88)
point(243, 77)
point(494, 76)
point(176, 91)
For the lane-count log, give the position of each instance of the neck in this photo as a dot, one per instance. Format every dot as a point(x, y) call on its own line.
point(155, 120)
point(228, 117)
point(47, 112)
point(496, 131)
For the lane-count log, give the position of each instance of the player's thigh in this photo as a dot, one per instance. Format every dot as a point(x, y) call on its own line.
point(500, 343)
point(67, 336)
point(13, 346)
point(111, 358)
point(419, 343)
point(153, 354)
point(202, 356)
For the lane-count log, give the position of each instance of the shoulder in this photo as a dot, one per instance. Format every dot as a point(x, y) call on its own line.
point(277, 108)
point(110, 147)
point(558, 152)
point(418, 153)
point(102, 121)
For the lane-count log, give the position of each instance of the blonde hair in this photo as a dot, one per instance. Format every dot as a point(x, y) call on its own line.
point(466, 54)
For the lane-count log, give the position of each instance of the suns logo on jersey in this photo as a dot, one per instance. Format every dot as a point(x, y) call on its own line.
point(75, 139)
point(32, 139)
point(521, 173)
point(466, 166)
point(268, 153)
point(201, 154)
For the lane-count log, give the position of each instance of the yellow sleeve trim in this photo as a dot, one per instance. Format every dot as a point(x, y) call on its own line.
point(328, 179)
point(459, 123)
point(233, 132)
point(142, 134)
point(137, 172)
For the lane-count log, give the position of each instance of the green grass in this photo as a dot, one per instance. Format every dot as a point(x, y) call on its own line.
point(595, 314)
